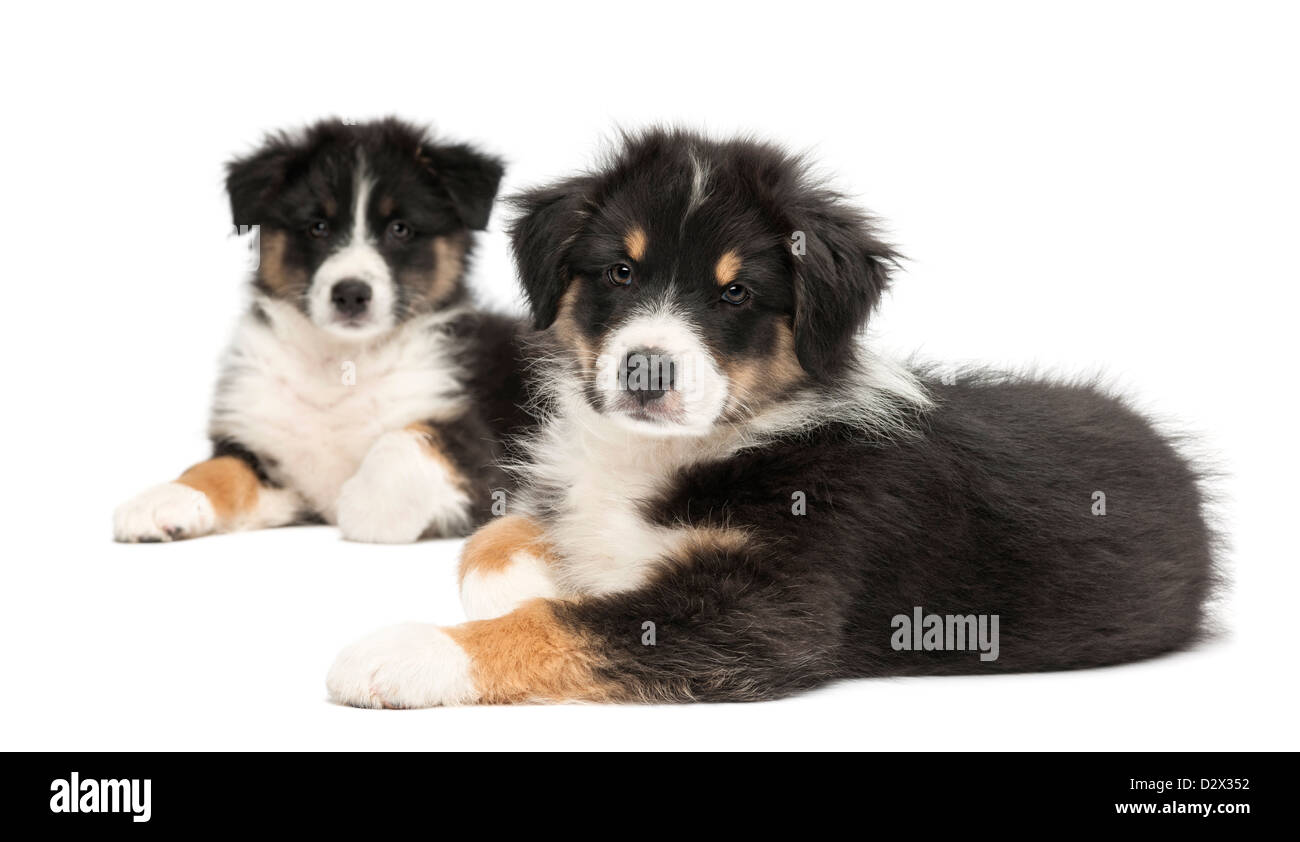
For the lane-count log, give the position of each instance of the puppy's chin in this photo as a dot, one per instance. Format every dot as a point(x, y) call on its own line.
point(355, 331)
point(654, 423)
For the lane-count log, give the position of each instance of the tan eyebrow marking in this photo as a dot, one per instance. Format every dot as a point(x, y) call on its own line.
point(727, 269)
point(636, 242)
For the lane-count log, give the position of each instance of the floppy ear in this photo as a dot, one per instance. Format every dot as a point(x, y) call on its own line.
point(470, 176)
point(550, 219)
point(839, 278)
point(253, 180)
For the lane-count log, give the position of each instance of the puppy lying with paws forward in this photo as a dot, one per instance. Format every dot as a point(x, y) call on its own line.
point(731, 499)
point(361, 387)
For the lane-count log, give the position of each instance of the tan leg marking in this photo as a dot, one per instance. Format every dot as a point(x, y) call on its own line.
point(431, 445)
point(528, 654)
point(228, 483)
point(490, 549)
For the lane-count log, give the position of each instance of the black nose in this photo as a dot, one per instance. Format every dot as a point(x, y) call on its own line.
point(648, 374)
point(351, 298)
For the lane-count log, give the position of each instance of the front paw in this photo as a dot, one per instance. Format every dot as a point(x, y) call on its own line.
point(397, 494)
point(414, 665)
point(167, 512)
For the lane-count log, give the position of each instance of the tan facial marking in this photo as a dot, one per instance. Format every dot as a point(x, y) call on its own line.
point(431, 444)
point(386, 205)
point(755, 380)
point(331, 206)
point(271, 269)
point(492, 548)
point(528, 654)
point(434, 287)
point(566, 329)
point(229, 484)
point(727, 269)
point(449, 252)
point(636, 242)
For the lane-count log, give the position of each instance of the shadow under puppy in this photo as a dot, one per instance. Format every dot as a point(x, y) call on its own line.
point(361, 387)
point(752, 521)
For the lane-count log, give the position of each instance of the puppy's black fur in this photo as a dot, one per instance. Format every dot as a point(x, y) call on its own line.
point(296, 180)
point(361, 338)
point(976, 498)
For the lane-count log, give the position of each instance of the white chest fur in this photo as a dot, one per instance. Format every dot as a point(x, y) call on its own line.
point(595, 479)
point(312, 405)
point(592, 478)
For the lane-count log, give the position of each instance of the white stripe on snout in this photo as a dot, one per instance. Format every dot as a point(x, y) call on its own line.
point(358, 259)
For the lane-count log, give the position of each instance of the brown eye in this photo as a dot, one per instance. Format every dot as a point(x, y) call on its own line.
point(620, 274)
point(319, 229)
point(735, 294)
point(399, 230)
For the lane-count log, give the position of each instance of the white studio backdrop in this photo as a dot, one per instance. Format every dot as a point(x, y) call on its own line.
point(1080, 188)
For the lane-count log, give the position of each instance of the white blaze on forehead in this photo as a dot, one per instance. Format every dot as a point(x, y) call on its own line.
point(356, 258)
point(699, 184)
point(361, 201)
point(663, 329)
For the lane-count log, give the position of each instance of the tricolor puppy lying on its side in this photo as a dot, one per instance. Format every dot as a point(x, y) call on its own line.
point(748, 521)
point(361, 388)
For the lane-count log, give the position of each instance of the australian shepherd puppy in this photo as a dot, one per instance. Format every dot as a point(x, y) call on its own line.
point(361, 388)
point(731, 499)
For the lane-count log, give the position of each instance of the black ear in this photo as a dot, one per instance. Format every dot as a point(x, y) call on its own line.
point(550, 219)
point(469, 176)
point(252, 181)
point(841, 270)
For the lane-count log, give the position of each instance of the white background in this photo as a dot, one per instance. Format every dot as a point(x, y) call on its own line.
point(1086, 187)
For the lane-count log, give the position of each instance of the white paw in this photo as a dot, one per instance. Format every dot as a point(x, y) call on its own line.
point(494, 593)
point(414, 665)
point(166, 512)
point(398, 494)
